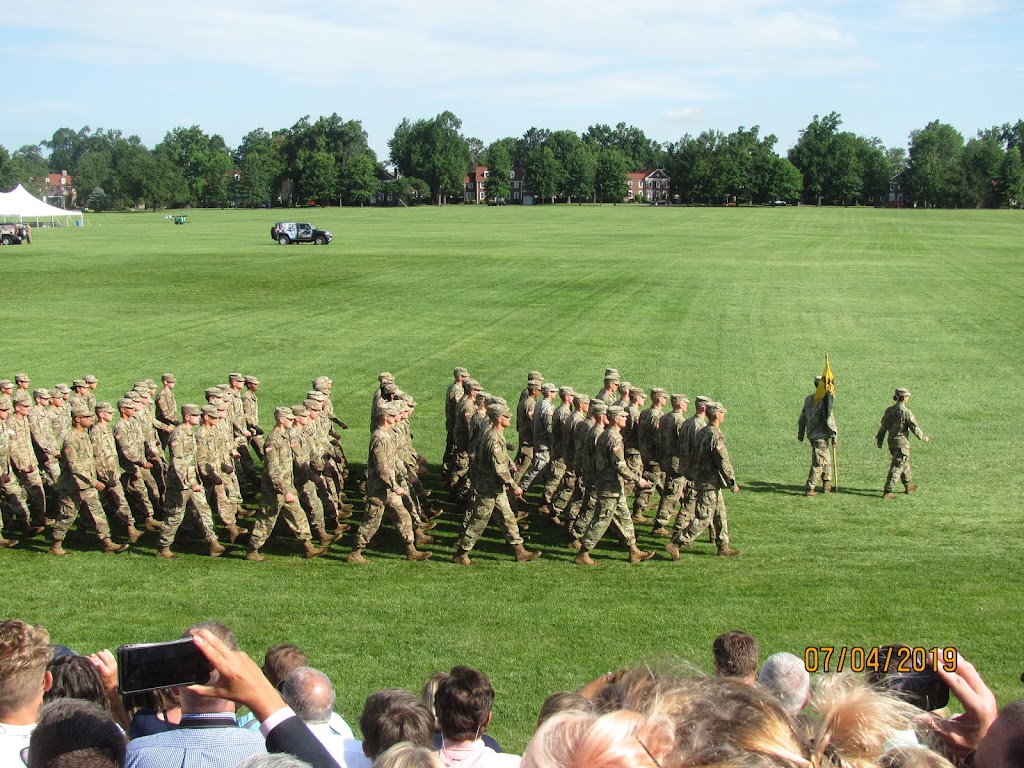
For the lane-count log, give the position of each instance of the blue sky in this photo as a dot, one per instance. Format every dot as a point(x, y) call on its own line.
point(668, 67)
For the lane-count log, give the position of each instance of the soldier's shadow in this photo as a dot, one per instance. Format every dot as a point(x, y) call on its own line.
point(761, 486)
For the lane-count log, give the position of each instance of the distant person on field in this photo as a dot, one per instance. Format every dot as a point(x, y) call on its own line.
point(819, 430)
point(897, 423)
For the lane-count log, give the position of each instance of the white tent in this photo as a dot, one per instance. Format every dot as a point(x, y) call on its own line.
point(20, 204)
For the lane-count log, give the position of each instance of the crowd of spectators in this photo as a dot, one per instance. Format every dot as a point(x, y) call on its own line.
point(63, 710)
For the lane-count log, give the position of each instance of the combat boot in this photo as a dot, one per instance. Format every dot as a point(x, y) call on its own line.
point(726, 552)
point(134, 534)
point(112, 548)
point(345, 514)
point(640, 519)
point(673, 550)
point(544, 509)
point(828, 487)
point(151, 524)
point(428, 526)
point(557, 520)
point(341, 529)
point(411, 553)
point(216, 548)
point(909, 487)
point(234, 532)
point(57, 549)
point(165, 552)
point(462, 557)
point(309, 551)
point(356, 556)
point(661, 531)
point(639, 555)
point(888, 495)
point(574, 544)
point(584, 558)
point(522, 556)
point(254, 556)
point(810, 492)
point(422, 539)
point(8, 543)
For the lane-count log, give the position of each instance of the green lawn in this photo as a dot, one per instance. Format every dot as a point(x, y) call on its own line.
point(739, 304)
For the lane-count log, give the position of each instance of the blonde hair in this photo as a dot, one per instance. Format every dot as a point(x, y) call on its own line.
point(24, 653)
point(913, 757)
point(621, 739)
point(405, 754)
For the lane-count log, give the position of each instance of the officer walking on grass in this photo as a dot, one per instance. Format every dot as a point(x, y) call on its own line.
point(898, 422)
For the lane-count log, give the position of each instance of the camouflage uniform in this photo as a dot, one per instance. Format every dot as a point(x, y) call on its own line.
point(182, 477)
point(251, 409)
point(492, 482)
point(302, 441)
point(15, 510)
point(46, 447)
point(559, 437)
point(108, 472)
point(240, 434)
point(543, 420)
point(650, 454)
point(611, 472)
point(670, 456)
point(582, 510)
point(451, 400)
point(819, 431)
point(278, 481)
point(212, 461)
point(460, 462)
point(77, 487)
point(26, 467)
point(567, 488)
point(897, 423)
point(712, 472)
point(167, 409)
point(153, 478)
point(131, 452)
point(381, 484)
point(688, 454)
point(524, 426)
point(631, 441)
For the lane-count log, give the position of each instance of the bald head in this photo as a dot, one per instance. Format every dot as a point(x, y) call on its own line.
point(310, 693)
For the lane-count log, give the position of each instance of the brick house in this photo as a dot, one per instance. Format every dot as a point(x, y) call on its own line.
point(475, 192)
point(59, 190)
point(652, 184)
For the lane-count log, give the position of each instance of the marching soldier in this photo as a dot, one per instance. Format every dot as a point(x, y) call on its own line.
point(108, 470)
point(897, 423)
point(820, 429)
point(648, 441)
point(167, 407)
point(215, 468)
point(12, 495)
point(24, 462)
point(251, 409)
point(131, 453)
point(669, 430)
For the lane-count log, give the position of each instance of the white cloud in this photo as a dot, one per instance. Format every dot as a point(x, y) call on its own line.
point(684, 115)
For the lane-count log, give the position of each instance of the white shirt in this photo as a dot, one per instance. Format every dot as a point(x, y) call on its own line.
point(344, 749)
point(14, 738)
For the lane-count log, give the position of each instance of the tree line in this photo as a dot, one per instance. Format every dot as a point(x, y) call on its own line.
point(328, 161)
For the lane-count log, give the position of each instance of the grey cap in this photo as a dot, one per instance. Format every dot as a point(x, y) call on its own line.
point(703, 400)
point(64, 388)
point(300, 410)
point(149, 383)
point(211, 392)
point(5, 402)
point(535, 375)
point(534, 383)
point(21, 398)
point(104, 407)
point(190, 409)
point(547, 387)
point(598, 407)
point(385, 376)
point(321, 383)
point(236, 377)
point(80, 411)
point(252, 380)
point(90, 379)
point(313, 405)
point(623, 385)
point(79, 384)
point(713, 408)
point(614, 411)
point(582, 398)
point(901, 392)
point(566, 391)
point(56, 394)
point(494, 410)
point(211, 410)
point(391, 408)
point(41, 392)
point(6, 384)
point(21, 377)
point(125, 404)
point(460, 371)
point(284, 412)
point(678, 399)
point(658, 392)
point(314, 394)
point(168, 378)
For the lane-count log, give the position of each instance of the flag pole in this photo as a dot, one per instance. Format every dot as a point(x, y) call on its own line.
point(835, 468)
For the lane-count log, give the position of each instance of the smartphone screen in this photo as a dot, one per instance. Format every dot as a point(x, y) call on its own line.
point(147, 666)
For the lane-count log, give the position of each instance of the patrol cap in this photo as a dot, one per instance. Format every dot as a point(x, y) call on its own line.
point(385, 376)
point(321, 382)
point(313, 405)
point(42, 392)
point(474, 385)
point(300, 410)
point(598, 407)
point(678, 398)
point(5, 402)
point(211, 410)
point(902, 392)
point(133, 395)
point(125, 404)
point(499, 399)
point(494, 410)
point(90, 379)
point(190, 409)
point(212, 392)
point(284, 412)
point(611, 373)
point(64, 388)
point(313, 394)
point(391, 408)
point(535, 375)
point(581, 398)
point(56, 394)
point(714, 408)
point(703, 400)
point(235, 376)
point(547, 387)
point(168, 378)
point(80, 411)
point(104, 407)
point(460, 371)
point(614, 411)
point(388, 388)
point(78, 384)
point(637, 393)
point(20, 377)
point(21, 398)
point(252, 380)
point(142, 389)
point(566, 391)
point(149, 383)
point(534, 383)
point(624, 385)
point(140, 384)
point(6, 384)
point(658, 392)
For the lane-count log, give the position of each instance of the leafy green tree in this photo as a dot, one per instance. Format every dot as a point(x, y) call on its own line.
point(934, 175)
point(1011, 177)
point(811, 154)
point(543, 174)
point(7, 178)
point(529, 141)
point(261, 167)
point(695, 170)
point(132, 166)
point(843, 179)
point(580, 172)
point(875, 169)
point(67, 148)
point(982, 160)
point(434, 151)
point(499, 166)
point(98, 200)
point(784, 180)
point(610, 176)
point(318, 176)
point(508, 144)
point(29, 168)
point(360, 183)
point(639, 152)
point(95, 170)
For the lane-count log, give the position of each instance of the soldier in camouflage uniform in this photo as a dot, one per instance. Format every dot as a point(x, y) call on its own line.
point(145, 417)
point(324, 385)
point(492, 483)
point(383, 491)
point(543, 419)
point(407, 469)
point(167, 407)
point(60, 413)
point(251, 409)
point(6, 387)
point(279, 493)
point(46, 447)
point(302, 440)
point(79, 485)
point(12, 496)
point(581, 509)
point(897, 423)
point(184, 488)
point(24, 462)
point(451, 400)
point(91, 382)
point(688, 454)
point(669, 431)
point(650, 453)
point(214, 466)
point(559, 436)
point(630, 436)
point(131, 453)
point(326, 486)
point(22, 384)
point(609, 394)
point(108, 470)
point(460, 489)
point(712, 472)
point(240, 434)
point(820, 430)
point(524, 424)
point(567, 488)
point(79, 397)
point(611, 473)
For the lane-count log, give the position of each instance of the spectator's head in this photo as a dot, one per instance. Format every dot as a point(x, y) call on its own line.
point(406, 755)
point(391, 716)
point(310, 694)
point(192, 703)
point(430, 691)
point(280, 660)
point(273, 760)
point(24, 653)
point(75, 677)
point(73, 733)
point(786, 678)
point(913, 757)
point(621, 739)
point(463, 704)
point(563, 701)
point(1003, 745)
point(736, 656)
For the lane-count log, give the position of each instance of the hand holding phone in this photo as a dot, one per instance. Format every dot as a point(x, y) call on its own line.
point(148, 666)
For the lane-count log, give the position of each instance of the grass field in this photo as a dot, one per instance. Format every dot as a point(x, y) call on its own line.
point(739, 304)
